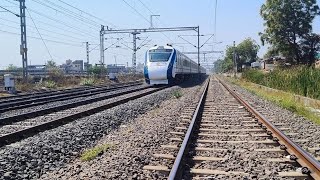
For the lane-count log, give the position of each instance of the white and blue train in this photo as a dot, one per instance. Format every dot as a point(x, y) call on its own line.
point(165, 65)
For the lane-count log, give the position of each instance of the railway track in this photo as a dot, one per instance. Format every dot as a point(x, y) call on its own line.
point(40, 99)
point(15, 128)
point(223, 137)
point(26, 96)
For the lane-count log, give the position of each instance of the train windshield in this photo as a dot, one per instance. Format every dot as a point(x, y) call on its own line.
point(159, 55)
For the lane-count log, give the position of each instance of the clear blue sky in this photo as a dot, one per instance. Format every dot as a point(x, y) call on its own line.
point(236, 20)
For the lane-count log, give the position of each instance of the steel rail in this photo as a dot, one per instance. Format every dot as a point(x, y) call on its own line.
point(54, 92)
point(174, 173)
point(65, 96)
point(19, 135)
point(303, 157)
point(40, 112)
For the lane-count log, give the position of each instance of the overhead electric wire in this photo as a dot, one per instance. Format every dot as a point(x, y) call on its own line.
point(14, 27)
point(95, 17)
point(60, 22)
point(40, 34)
point(80, 16)
point(215, 20)
point(136, 11)
point(87, 13)
point(49, 40)
point(143, 15)
point(78, 31)
point(75, 17)
point(9, 11)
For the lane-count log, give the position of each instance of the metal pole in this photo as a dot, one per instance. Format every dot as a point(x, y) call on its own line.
point(23, 46)
point(234, 59)
point(199, 51)
point(102, 45)
point(134, 55)
point(87, 48)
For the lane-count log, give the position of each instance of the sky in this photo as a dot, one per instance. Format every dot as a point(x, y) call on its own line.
point(65, 28)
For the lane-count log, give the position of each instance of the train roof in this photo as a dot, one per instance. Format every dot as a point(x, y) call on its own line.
point(161, 47)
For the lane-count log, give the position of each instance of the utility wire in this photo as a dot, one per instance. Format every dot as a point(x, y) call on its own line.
point(32, 37)
point(75, 14)
point(145, 17)
point(49, 24)
point(70, 15)
point(215, 20)
point(10, 11)
point(61, 22)
point(40, 34)
point(207, 40)
point(43, 29)
point(31, 31)
point(136, 11)
point(87, 13)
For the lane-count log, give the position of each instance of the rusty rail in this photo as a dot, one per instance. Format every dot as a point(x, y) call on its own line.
point(310, 165)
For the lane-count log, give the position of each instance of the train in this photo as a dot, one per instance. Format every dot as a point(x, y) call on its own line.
point(166, 65)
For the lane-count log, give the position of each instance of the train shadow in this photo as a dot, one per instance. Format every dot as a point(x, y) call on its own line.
point(192, 81)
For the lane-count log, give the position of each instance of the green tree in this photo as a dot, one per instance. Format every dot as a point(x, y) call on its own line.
point(271, 52)
point(12, 67)
point(97, 70)
point(310, 46)
point(247, 52)
point(286, 22)
point(51, 64)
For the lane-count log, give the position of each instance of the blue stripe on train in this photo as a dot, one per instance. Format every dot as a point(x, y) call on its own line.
point(145, 70)
point(170, 67)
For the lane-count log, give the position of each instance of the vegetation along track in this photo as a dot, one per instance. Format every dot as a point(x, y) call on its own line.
point(31, 123)
point(223, 137)
point(30, 100)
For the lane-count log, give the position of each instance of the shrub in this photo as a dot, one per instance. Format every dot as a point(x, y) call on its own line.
point(87, 82)
point(94, 152)
point(301, 80)
point(253, 75)
point(50, 84)
point(177, 94)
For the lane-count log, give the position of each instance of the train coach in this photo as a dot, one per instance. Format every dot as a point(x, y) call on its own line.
point(166, 65)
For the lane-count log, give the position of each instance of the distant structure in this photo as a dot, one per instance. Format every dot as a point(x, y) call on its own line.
point(86, 66)
point(70, 66)
point(116, 68)
point(140, 67)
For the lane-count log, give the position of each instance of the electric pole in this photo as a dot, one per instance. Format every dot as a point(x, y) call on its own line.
point(23, 46)
point(234, 59)
point(102, 45)
point(87, 48)
point(199, 52)
point(134, 54)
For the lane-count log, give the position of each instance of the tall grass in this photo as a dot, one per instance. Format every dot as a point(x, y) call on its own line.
point(304, 81)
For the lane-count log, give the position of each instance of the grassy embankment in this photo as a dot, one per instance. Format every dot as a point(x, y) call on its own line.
point(300, 81)
point(59, 81)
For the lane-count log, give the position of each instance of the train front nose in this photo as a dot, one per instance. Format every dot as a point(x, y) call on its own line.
point(158, 73)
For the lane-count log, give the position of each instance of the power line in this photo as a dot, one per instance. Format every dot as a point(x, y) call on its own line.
point(145, 17)
point(71, 15)
point(87, 13)
point(215, 20)
point(49, 40)
point(30, 31)
point(61, 22)
point(136, 11)
point(10, 11)
point(77, 15)
point(40, 35)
